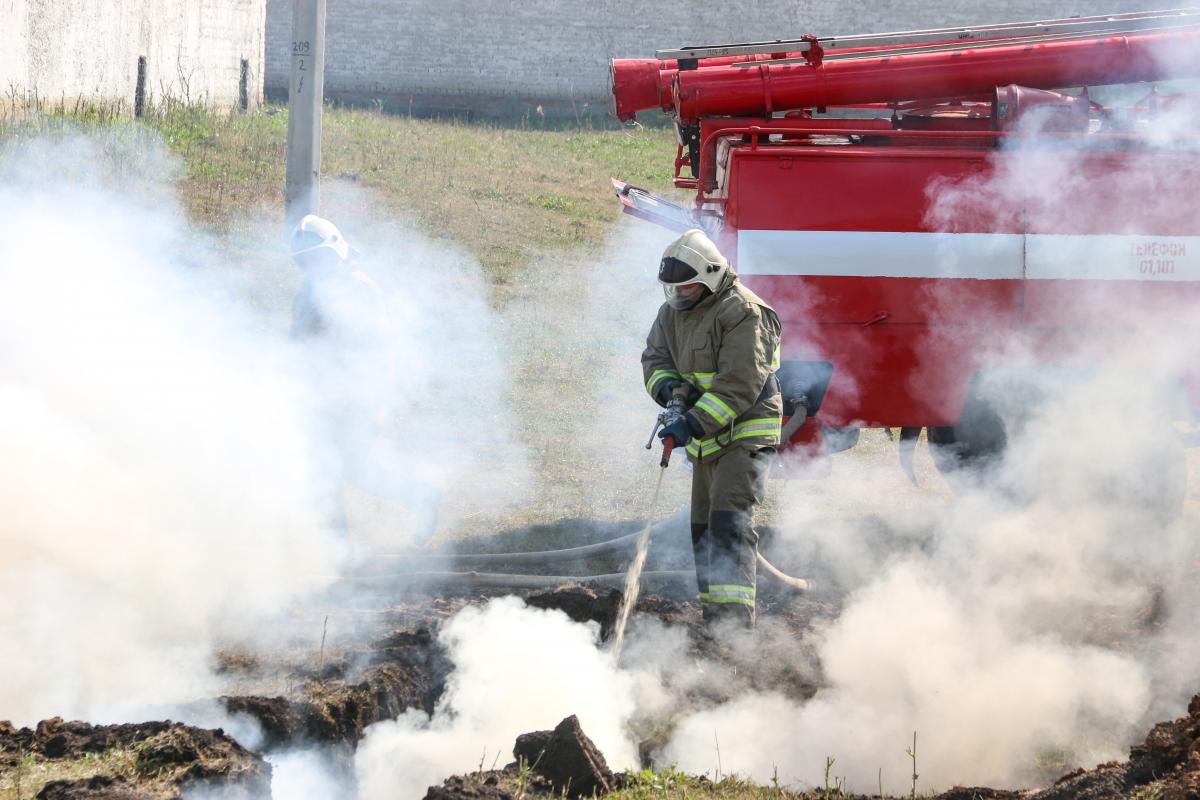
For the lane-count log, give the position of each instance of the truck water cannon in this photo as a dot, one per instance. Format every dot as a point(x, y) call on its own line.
point(762, 78)
point(1054, 111)
point(640, 84)
point(768, 86)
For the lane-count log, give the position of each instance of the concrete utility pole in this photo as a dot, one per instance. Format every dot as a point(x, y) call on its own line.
point(306, 93)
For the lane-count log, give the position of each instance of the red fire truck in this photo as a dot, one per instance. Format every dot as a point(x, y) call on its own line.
point(910, 201)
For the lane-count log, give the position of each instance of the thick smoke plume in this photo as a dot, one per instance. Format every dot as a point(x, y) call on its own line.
point(450, 444)
point(155, 471)
point(1038, 623)
point(516, 669)
point(1019, 629)
point(166, 477)
point(157, 491)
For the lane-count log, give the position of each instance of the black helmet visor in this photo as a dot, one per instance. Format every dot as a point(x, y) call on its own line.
point(306, 240)
point(672, 270)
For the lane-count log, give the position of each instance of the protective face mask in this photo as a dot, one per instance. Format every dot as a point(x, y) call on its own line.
point(679, 301)
point(319, 263)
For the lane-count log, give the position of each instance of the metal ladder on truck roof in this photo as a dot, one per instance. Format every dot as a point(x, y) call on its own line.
point(974, 36)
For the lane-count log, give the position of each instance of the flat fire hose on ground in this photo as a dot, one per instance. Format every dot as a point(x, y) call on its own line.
point(513, 580)
point(506, 580)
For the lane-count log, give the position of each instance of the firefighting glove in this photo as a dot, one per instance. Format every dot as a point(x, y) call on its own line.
point(682, 429)
point(663, 395)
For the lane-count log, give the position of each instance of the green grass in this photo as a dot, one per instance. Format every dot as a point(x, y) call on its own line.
point(667, 784)
point(504, 193)
point(671, 784)
point(25, 778)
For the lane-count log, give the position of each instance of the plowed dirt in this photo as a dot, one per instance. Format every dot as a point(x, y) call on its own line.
point(58, 760)
point(395, 662)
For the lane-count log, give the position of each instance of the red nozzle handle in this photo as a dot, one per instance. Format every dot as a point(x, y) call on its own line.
point(668, 445)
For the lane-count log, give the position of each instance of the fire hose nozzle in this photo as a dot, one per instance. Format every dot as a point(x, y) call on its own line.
point(668, 446)
point(668, 415)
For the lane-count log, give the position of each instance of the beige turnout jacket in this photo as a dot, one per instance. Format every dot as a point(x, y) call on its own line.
point(726, 350)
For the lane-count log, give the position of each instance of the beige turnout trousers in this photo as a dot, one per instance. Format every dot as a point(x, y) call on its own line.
point(725, 493)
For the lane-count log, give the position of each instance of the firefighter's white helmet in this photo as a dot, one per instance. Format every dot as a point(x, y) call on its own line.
point(315, 234)
point(691, 259)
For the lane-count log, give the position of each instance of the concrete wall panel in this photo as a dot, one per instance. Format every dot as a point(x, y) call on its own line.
point(63, 49)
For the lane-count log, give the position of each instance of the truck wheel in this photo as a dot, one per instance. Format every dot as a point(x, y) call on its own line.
point(968, 454)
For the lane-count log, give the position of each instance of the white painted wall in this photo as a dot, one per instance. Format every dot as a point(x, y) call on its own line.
point(521, 53)
point(90, 48)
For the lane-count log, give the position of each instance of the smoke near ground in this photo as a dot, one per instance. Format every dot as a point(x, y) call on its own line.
point(153, 483)
point(450, 443)
point(575, 328)
point(516, 669)
point(159, 459)
point(1039, 623)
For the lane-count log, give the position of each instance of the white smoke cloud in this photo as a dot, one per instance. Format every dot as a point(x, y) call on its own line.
point(1042, 622)
point(575, 332)
point(517, 669)
point(160, 487)
point(305, 775)
point(154, 480)
point(451, 415)
point(156, 490)
point(1015, 629)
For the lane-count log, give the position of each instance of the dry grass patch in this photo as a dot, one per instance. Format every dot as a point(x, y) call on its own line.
point(25, 778)
point(502, 193)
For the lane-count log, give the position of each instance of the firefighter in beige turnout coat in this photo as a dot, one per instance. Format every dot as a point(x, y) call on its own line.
point(715, 344)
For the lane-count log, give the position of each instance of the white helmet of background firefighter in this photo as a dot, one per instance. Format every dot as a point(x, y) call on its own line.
point(691, 268)
point(318, 247)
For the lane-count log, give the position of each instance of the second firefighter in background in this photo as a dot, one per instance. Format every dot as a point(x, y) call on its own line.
point(715, 344)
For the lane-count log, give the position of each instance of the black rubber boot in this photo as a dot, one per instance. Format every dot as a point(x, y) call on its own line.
point(733, 564)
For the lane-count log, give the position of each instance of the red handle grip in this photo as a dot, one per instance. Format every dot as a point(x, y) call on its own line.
point(668, 445)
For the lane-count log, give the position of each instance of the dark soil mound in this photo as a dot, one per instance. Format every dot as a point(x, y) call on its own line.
point(582, 604)
point(559, 763)
point(478, 786)
point(978, 793)
point(1166, 766)
point(144, 760)
point(98, 787)
point(504, 784)
point(567, 758)
point(408, 670)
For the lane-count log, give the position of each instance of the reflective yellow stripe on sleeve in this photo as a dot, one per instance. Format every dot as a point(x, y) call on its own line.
point(657, 377)
point(703, 380)
point(716, 408)
point(775, 362)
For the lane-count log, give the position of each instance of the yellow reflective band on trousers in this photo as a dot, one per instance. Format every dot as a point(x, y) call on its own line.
point(770, 427)
point(716, 408)
point(658, 377)
point(729, 594)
